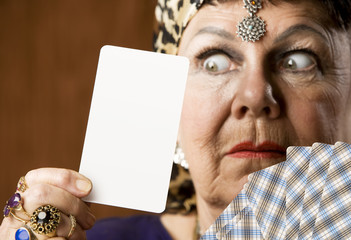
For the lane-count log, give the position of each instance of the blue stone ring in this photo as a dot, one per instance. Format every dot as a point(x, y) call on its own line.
point(24, 233)
point(44, 219)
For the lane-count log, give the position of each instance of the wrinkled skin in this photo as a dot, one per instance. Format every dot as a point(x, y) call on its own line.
point(291, 87)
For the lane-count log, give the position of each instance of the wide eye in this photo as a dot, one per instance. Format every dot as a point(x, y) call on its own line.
point(298, 62)
point(217, 63)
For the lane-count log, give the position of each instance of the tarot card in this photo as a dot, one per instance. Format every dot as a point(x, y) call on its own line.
point(246, 228)
point(333, 219)
point(228, 218)
point(297, 163)
point(316, 178)
point(266, 193)
point(133, 126)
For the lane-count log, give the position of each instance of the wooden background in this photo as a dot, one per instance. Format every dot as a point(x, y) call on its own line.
point(48, 57)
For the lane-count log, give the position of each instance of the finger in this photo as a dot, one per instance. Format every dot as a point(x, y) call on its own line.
point(61, 232)
point(9, 227)
point(67, 179)
point(43, 194)
point(78, 234)
point(65, 228)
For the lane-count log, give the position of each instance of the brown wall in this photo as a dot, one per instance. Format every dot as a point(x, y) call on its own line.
point(48, 57)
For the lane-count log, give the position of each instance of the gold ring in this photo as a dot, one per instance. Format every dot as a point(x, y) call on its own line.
point(45, 220)
point(73, 226)
point(22, 185)
point(15, 204)
point(18, 218)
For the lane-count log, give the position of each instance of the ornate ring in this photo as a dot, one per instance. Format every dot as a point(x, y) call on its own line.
point(15, 204)
point(73, 226)
point(45, 220)
point(21, 185)
point(24, 233)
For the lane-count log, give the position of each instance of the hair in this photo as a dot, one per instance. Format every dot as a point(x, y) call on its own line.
point(338, 10)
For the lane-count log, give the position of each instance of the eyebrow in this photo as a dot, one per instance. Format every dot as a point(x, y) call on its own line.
point(216, 31)
point(287, 33)
point(298, 28)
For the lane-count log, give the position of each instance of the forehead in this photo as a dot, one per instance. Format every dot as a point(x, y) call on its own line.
point(311, 5)
point(278, 16)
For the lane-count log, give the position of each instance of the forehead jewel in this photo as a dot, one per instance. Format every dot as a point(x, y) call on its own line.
point(252, 27)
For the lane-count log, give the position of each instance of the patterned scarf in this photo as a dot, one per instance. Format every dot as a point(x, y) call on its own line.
point(172, 17)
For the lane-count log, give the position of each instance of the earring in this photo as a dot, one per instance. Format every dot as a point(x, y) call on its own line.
point(179, 157)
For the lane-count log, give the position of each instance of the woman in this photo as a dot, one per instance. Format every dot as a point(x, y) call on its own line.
point(248, 98)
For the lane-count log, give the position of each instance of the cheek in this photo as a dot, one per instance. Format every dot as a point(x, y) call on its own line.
point(315, 116)
point(305, 121)
point(202, 115)
point(204, 112)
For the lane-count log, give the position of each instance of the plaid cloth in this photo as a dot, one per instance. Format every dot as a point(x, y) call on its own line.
point(266, 193)
point(306, 197)
point(296, 174)
point(316, 177)
point(221, 226)
point(246, 228)
point(333, 220)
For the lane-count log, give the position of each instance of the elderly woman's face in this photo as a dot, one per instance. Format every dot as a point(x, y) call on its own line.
point(246, 102)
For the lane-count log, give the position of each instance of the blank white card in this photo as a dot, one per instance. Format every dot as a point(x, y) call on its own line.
point(132, 127)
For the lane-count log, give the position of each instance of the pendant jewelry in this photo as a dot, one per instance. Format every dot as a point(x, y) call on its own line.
point(252, 27)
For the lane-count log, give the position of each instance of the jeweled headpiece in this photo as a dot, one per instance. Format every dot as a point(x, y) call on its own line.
point(251, 28)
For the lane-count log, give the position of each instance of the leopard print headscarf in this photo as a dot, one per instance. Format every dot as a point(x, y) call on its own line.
point(172, 17)
point(181, 197)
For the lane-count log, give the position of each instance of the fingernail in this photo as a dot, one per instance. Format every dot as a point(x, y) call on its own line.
point(91, 220)
point(83, 185)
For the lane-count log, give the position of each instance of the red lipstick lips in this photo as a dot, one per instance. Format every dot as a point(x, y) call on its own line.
point(264, 150)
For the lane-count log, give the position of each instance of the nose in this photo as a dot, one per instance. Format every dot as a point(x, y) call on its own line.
point(255, 97)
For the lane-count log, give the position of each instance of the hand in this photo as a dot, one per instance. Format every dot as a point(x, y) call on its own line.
point(61, 188)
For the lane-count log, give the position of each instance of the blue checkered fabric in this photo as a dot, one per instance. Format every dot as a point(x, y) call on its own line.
point(333, 219)
point(321, 155)
point(306, 197)
point(296, 175)
point(266, 193)
point(221, 226)
point(245, 227)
